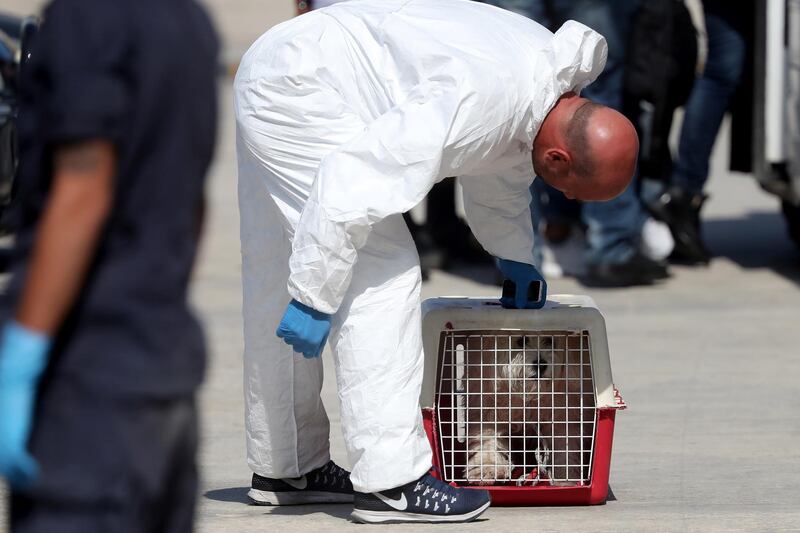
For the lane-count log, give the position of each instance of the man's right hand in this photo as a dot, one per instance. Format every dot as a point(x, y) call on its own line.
point(23, 357)
point(304, 329)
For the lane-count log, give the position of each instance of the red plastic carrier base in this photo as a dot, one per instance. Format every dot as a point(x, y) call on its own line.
point(594, 493)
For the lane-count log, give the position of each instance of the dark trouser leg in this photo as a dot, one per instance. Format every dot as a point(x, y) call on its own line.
point(614, 226)
point(109, 465)
point(703, 114)
point(707, 103)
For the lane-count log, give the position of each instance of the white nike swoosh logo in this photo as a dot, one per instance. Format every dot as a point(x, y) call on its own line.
point(299, 483)
point(400, 505)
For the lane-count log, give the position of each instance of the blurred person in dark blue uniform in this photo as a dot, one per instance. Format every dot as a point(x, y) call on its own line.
point(100, 356)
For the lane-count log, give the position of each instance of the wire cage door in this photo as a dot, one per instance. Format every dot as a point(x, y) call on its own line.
point(515, 407)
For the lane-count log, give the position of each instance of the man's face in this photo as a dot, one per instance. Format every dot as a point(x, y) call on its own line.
point(573, 186)
point(567, 184)
point(581, 188)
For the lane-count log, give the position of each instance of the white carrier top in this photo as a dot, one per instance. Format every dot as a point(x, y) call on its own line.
point(570, 313)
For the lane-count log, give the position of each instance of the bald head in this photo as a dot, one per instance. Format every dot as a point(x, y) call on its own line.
point(586, 150)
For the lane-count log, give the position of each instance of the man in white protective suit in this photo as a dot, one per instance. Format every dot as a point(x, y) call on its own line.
point(346, 117)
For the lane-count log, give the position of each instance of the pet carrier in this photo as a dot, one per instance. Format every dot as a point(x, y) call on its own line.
point(520, 402)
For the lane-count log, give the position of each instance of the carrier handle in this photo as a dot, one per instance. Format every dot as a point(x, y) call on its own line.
point(535, 292)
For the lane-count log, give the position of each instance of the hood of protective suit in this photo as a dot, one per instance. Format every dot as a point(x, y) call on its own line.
point(433, 88)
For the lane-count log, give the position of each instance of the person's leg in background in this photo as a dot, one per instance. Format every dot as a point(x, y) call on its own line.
point(559, 243)
point(449, 232)
point(614, 227)
point(431, 255)
point(703, 113)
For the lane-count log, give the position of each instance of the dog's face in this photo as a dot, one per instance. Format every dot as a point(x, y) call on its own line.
point(526, 375)
point(534, 359)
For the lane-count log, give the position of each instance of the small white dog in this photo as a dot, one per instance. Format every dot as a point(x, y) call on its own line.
point(537, 387)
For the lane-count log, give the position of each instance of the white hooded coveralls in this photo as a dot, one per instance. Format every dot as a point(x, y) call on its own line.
point(346, 117)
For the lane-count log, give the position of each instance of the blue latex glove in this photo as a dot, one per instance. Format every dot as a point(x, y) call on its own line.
point(304, 329)
point(524, 287)
point(23, 358)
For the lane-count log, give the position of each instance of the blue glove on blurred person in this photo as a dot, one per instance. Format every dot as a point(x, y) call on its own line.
point(23, 358)
point(304, 329)
point(524, 287)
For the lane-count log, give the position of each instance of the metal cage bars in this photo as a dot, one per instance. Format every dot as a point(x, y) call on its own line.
point(515, 407)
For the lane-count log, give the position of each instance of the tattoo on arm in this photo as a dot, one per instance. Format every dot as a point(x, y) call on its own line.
point(78, 205)
point(81, 158)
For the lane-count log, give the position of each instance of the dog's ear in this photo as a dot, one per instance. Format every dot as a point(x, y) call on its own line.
point(518, 343)
point(532, 342)
point(545, 342)
point(538, 369)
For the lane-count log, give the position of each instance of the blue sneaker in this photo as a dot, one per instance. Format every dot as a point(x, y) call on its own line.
point(425, 500)
point(326, 484)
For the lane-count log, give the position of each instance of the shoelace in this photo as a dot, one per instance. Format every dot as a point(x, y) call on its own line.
point(435, 488)
point(338, 474)
point(436, 473)
point(336, 470)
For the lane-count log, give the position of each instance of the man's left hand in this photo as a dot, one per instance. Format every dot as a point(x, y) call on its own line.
point(530, 288)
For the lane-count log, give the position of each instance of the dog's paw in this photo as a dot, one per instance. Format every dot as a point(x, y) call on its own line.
point(488, 468)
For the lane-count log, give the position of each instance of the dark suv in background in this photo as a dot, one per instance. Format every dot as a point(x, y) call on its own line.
point(16, 35)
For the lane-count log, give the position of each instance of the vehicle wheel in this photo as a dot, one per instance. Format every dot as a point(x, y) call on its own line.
point(791, 213)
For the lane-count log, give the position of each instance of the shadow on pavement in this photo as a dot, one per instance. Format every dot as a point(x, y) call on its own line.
point(239, 495)
point(341, 510)
point(231, 494)
point(758, 240)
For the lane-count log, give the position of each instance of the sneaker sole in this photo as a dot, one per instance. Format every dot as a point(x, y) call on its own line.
point(395, 517)
point(300, 497)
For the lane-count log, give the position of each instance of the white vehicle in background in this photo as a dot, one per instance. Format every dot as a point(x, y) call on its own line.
point(776, 99)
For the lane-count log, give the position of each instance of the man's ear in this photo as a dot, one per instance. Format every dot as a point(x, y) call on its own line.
point(558, 159)
point(557, 156)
